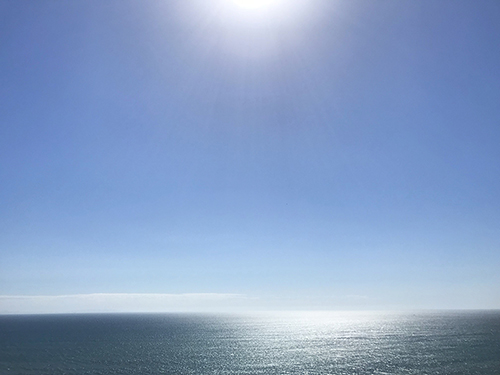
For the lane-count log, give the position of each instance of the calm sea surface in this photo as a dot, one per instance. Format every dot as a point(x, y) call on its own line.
point(285, 343)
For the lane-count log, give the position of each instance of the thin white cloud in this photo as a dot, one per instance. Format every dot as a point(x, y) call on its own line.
point(121, 302)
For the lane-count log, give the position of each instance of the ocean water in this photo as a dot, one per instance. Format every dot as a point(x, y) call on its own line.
point(280, 343)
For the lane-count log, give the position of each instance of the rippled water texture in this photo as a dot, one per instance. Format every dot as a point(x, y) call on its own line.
point(284, 343)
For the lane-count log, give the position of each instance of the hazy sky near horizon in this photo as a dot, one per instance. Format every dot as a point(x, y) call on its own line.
point(316, 154)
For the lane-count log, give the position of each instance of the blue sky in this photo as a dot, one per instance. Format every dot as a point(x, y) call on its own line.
point(312, 155)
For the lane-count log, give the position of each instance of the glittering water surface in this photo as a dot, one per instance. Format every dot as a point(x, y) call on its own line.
point(281, 343)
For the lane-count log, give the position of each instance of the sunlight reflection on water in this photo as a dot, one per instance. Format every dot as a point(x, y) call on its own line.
point(271, 343)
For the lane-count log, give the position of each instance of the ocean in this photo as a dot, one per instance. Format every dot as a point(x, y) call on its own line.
point(335, 343)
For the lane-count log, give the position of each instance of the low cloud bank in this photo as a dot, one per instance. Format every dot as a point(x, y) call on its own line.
point(121, 302)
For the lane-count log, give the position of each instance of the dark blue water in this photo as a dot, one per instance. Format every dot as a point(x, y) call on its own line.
point(285, 343)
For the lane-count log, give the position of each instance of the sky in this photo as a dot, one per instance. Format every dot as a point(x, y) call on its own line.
point(211, 155)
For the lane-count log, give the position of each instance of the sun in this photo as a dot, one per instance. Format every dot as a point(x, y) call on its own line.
point(255, 4)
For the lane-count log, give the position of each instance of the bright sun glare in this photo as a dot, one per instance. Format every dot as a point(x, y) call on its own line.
point(255, 4)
